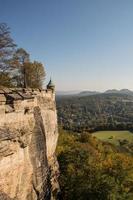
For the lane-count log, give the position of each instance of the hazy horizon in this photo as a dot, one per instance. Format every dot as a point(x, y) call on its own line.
point(87, 90)
point(84, 45)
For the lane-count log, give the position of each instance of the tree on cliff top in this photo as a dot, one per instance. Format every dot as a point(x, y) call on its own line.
point(7, 47)
point(35, 74)
point(20, 58)
point(16, 69)
point(27, 73)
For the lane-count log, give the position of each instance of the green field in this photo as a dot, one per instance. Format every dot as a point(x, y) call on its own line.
point(114, 136)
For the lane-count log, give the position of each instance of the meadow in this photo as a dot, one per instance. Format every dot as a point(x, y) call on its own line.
point(114, 136)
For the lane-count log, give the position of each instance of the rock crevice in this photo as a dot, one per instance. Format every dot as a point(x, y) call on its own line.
point(28, 165)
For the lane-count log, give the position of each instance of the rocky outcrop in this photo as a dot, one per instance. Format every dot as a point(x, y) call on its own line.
point(28, 138)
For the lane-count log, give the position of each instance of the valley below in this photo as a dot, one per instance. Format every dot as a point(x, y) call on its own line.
point(95, 146)
point(98, 112)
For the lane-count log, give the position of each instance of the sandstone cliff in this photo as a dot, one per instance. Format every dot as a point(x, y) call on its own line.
point(28, 138)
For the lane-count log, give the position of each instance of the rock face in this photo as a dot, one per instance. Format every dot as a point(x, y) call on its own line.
point(28, 139)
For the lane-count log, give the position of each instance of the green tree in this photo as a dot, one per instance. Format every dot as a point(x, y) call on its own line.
point(19, 61)
point(5, 79)
point(15, 66)
point(35, 74)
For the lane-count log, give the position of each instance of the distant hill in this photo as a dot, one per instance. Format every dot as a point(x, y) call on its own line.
point(88, 93)
point(122, 91)
point(126, 91)
point(111, 91)
point(62, 93)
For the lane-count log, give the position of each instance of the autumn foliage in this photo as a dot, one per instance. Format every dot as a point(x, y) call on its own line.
point(93, 170)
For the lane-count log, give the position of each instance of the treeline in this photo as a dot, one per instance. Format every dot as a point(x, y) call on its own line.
point(93, 170)
point(97, 112)
point(16, 68)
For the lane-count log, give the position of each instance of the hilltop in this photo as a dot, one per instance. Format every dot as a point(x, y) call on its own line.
point(89, 93)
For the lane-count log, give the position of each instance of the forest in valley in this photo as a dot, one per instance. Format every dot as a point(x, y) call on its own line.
point(96, 112)
point(91, 167)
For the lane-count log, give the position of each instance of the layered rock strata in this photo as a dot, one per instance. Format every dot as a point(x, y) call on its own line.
point(28, 139)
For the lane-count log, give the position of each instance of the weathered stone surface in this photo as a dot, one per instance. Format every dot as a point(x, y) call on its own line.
point(4, 196)
point(28, 166)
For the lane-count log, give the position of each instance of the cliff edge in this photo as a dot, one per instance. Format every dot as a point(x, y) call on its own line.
point(28, 138)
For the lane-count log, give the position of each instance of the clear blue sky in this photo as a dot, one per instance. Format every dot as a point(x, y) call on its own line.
point(84, 44)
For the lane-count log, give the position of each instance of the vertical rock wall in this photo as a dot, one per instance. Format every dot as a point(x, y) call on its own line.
point(28, 166)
